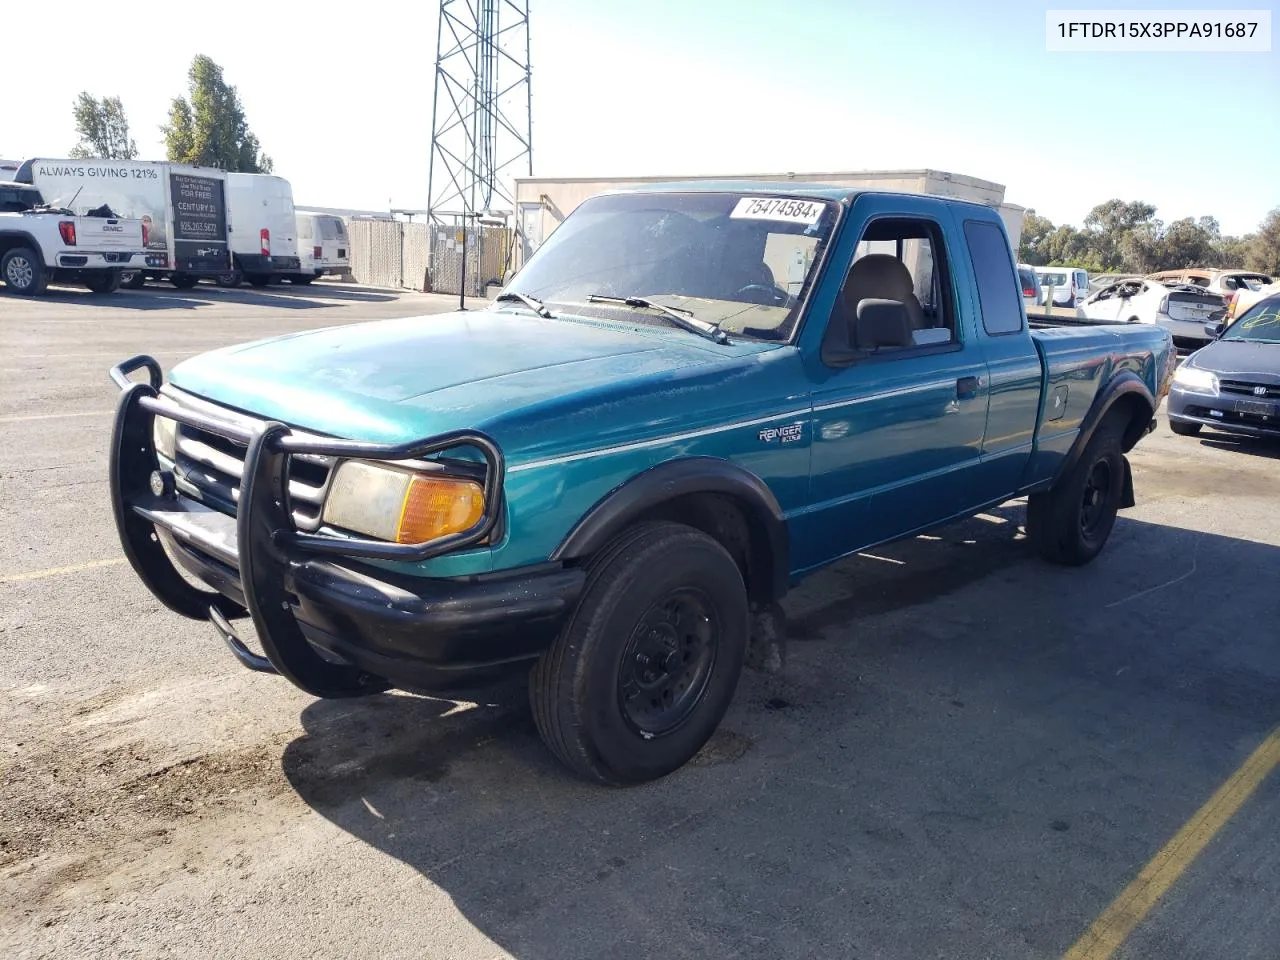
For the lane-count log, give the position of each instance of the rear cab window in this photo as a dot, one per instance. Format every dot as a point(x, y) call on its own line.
point(993, 270)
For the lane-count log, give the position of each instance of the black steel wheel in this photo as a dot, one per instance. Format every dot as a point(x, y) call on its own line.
point(668, 661)
point(645, 668)
point(1070, 524)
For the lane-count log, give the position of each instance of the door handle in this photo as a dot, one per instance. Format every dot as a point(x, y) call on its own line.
point(967, 388)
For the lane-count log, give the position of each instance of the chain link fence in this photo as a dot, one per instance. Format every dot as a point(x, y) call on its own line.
point(428, 257)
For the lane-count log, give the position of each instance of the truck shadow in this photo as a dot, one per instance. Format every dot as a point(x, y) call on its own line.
point(970, 754)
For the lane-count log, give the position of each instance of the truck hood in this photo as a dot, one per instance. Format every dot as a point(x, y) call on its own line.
point(397, 380)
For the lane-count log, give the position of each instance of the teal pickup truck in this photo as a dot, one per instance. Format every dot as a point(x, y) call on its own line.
point(689, 397)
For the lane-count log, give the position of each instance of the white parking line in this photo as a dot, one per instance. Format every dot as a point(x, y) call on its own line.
point(56, 571)
point(55, 416)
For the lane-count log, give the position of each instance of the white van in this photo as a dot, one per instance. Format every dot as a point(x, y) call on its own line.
point(264, 237)
point(1070, 284)
point(323, 246)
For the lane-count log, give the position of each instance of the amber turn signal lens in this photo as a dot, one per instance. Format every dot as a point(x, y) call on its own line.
point(437, 507)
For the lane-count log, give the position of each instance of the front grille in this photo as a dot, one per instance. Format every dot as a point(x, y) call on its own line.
point(209, 467)
point(1247, 388)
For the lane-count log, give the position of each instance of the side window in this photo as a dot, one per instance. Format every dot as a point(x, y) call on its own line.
point(901, 259)
point(997, 286)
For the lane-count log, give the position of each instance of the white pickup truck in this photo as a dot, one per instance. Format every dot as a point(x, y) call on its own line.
point(40, 244)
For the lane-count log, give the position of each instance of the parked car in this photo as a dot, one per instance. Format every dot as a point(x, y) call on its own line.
point(604, 478)
point(323, 246)
point(1032, 292)
point(1182, 309)
point(1070, 285)
point(1233, 384)
point(44, 243)
point(1242, 300)
point(1223, 282)
point(182, 209)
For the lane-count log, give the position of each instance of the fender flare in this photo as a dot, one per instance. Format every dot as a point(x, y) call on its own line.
point(678, 478)
point(1123, 384)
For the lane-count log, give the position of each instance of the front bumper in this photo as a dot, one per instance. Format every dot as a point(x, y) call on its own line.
point(331, 623)
point(1226, 412)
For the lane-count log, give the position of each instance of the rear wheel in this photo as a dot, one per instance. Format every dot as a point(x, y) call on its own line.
point(1070, 524)
point(646, 667)
point(183, 281)
point(103, 281)
point(133, 279)
point(233, 278)
point(1184, 429)
point(23, 272)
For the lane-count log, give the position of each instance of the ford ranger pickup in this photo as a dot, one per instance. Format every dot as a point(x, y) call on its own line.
point(688, 398)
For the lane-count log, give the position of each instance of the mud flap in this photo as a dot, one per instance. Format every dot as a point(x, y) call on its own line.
point(1126, 494)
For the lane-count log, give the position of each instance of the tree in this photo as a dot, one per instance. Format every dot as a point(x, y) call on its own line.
point(209, 127)
point(1031, 244)
point(1264, 246)
point(103, 129)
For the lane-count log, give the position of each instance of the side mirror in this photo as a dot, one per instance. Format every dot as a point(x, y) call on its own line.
point(1216, 329)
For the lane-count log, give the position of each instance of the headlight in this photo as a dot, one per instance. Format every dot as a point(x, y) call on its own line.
point(401, 505)
point(164, 436)
point(1196, 381)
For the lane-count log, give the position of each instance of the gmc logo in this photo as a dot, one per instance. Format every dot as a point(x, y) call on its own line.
point(108, 228)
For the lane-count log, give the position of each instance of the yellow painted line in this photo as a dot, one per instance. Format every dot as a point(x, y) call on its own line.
point(55, 416)
point(1113, 927)
point(58, 571)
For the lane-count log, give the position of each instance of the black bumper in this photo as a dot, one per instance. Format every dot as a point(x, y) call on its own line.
point(332, 623)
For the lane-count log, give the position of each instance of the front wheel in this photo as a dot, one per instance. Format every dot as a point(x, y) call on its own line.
point(103, 281)
point(1070, 524)
point(23, 272)
point(647, 665)
point(232, 278)
point(133, 279)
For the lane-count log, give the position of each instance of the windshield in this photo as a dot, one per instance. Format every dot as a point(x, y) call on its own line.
point(744, 262)
point(1261, 322)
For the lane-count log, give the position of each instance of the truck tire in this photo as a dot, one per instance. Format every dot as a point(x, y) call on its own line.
point(1070, 523)
point(23, 272)
point(103, 281)
point(302, 279)
point(231, 279)
point(262, 279)
point(646, 666)
point(183, 281)
point(133, 279)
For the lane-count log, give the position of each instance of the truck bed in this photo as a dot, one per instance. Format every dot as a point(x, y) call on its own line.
point(1076, 361)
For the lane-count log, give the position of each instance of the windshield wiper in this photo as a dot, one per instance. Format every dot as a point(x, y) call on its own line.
point(533, 303)
point(681, 318)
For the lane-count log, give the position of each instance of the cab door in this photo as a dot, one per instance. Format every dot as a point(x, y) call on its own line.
point(897, 433)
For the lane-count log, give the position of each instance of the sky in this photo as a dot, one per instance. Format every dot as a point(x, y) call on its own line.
point(340, 96)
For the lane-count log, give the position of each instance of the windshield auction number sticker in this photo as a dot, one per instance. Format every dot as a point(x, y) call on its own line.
point(778, 208)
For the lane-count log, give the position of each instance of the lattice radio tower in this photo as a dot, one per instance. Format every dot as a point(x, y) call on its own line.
point(481, 127)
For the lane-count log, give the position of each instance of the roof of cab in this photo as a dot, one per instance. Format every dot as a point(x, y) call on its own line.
point(786, 188)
